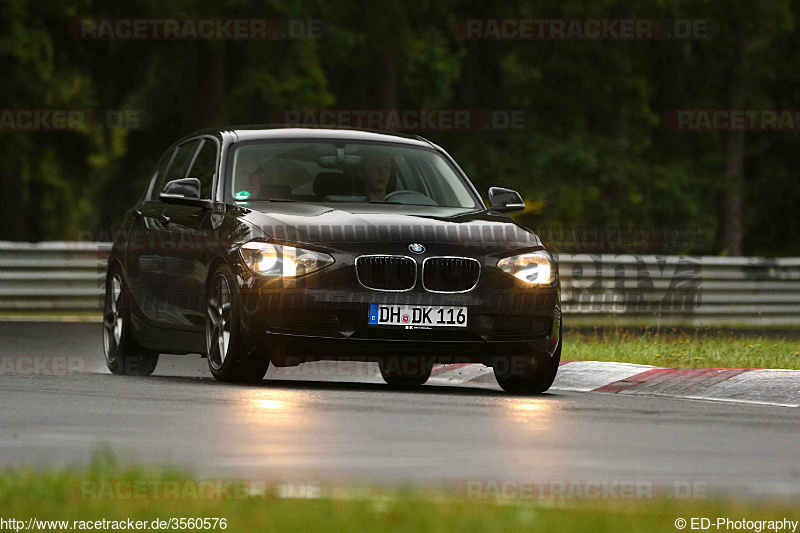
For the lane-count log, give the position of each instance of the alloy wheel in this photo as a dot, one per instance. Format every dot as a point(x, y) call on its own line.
point(218, 321)
point(112, 317)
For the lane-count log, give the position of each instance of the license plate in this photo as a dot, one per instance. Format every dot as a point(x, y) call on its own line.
point(422, 316)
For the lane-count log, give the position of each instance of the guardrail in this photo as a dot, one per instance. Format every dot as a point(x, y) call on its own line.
point(680, 290)
point(65, 278)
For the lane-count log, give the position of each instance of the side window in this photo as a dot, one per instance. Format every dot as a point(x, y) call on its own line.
point(204, 167)
point(160, 172)
point(177, 169)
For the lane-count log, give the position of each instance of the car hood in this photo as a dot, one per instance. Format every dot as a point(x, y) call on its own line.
point(360, 224)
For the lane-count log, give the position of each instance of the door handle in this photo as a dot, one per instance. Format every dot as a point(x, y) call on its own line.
point(164, 219)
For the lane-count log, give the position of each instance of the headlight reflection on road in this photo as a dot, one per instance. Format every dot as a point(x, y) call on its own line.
point(527, 406)
point(273, 428)
point(285, 401)
point(531, 432)
point(269, 404)
point(537, 414)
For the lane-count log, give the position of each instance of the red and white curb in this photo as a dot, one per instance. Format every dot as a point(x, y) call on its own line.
point(751, 386)
point(765, 387)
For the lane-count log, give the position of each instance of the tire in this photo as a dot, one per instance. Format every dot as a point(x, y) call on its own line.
point(526, 376)
point(229, 358)
point(402, 375)
point(123, 354)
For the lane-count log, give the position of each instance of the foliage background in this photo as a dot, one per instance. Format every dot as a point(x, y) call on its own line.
point(597, 151)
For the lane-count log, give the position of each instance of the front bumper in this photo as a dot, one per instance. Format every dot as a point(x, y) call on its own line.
point(325, 316)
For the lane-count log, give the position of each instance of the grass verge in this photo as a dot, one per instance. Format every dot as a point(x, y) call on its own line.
point(682, 348)
point(60, 495)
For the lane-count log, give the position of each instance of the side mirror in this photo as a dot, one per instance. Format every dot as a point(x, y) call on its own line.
point(184, 191)
point(505, 200)
point(186, 187)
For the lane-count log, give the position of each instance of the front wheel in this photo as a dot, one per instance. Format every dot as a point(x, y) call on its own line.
point(123, 354)
point(405, 373)
point(229, 359)
point(525, 375)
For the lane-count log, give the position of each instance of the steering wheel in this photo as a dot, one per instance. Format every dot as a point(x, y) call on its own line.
point(404, 196)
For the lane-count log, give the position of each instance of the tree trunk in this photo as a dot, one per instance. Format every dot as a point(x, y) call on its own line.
point(731, 198)
point(387, 84)
point(211, 110)
point(12, 206)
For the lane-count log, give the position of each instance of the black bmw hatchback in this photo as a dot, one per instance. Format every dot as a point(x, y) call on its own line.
point(256, 245)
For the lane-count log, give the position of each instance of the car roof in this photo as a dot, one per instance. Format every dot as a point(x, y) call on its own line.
point(248, 133)
point(258, 132)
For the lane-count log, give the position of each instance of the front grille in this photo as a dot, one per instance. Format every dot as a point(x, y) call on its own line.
point(387, 272)
point(450, 274)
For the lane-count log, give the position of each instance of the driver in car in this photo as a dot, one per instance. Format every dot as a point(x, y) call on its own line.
point(375, 170)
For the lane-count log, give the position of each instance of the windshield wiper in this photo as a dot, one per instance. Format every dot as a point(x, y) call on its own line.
point(272, 200)
point(402, 203)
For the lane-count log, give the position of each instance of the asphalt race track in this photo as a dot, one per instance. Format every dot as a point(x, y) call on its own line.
point(363, 432)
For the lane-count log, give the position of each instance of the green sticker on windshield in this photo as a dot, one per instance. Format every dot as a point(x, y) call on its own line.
point(242, 195)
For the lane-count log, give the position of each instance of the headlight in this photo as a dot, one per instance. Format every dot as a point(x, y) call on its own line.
point(534, 268)
point(276, 260)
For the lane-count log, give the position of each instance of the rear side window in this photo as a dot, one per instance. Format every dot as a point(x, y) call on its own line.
point(204, 167)
point(178, 167)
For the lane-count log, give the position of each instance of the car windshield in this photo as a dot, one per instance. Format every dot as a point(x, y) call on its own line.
point(345, 172)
